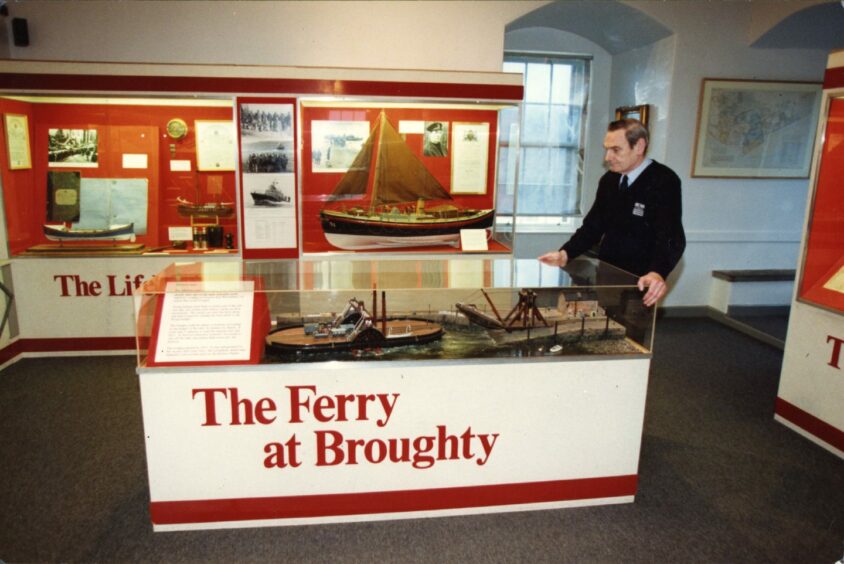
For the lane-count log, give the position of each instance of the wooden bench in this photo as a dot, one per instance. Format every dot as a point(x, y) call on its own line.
point(751, 288)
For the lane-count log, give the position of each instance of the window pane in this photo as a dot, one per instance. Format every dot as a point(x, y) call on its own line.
point(550, 165)
point(537, 83)
point(536, 124)
point(515, 67)
point(561, 85)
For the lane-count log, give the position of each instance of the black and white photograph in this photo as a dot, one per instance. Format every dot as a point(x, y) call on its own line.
point(335, 144)
point(267, 190)
point(436, 139)
point(72, 148)
point(266, 137)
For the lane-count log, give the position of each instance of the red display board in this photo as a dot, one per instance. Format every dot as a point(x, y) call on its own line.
point(824, 255)
point(121, 130)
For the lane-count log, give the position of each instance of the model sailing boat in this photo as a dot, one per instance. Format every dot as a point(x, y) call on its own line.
point(397, 185)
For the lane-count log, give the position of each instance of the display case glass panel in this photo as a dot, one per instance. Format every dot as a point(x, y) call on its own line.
point(288, 312)
point(822, 281)
point(382, 176)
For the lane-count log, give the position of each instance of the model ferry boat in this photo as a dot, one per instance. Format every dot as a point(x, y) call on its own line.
point(569, 320)
point(353, 329)
point(61, 232)
point(187, 208)
point(392, 187)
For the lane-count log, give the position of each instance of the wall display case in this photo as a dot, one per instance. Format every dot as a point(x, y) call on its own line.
point(811, 392)
point(316, 390)
point(386, 176)
point(115, 175)
point(142, 162)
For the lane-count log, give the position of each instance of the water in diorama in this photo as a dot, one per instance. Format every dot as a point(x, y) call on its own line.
point(540, 323)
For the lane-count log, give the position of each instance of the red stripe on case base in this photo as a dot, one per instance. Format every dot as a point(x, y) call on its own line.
point(809, 423)
point(310, 506)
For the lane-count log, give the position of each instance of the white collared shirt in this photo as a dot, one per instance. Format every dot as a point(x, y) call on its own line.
point(634, 174)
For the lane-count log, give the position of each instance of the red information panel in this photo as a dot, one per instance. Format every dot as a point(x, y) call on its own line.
point(823, 270)
point(396, 178)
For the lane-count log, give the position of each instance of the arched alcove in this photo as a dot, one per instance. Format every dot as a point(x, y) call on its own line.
point(615, 26)
point(826, 22)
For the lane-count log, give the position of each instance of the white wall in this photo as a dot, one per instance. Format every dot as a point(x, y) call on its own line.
point(730, 223)
point(437, 35)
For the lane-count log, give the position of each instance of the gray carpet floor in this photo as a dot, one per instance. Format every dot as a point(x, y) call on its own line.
point(720, 480)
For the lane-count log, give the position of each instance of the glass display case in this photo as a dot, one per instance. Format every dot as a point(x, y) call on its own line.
point(308, 311)
point(822, 280)
point(314, 391)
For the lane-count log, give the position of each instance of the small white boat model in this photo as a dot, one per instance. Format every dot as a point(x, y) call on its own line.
point(123, 232)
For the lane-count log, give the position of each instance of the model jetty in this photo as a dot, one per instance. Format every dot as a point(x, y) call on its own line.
point(353, 329)
point(381, 200)
point(63, 233)
point(272, 196)
point(187, 208)
point(569, 320)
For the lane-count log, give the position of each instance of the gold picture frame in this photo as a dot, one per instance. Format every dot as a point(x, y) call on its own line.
point(635, 112)
point(17, 141)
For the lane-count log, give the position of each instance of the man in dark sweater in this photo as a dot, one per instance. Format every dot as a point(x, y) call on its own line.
point(637, 214)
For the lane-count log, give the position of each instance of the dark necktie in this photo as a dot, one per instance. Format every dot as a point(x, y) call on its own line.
point(623, 185)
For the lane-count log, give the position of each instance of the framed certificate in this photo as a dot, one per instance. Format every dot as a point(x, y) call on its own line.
point(17, 141)
point(470, 158)
point(216, 147)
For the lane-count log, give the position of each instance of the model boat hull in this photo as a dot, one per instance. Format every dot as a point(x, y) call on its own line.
point(353, 232)
point(399, 332)
point(124, 232)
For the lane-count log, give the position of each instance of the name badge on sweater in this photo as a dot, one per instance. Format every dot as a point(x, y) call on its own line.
point(639, 209)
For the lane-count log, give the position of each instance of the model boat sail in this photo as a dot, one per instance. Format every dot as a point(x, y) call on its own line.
point(392, 186)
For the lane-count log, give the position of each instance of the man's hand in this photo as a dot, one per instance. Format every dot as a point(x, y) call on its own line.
point(656, 288)
point(555, 258)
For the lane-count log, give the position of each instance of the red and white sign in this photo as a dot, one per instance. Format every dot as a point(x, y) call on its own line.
point(292, 444)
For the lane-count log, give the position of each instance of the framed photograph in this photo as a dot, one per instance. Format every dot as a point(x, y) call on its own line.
point(335, 144)
point(634, 112)
point(17, 141)
point(266, 138)
point(755, 129)
point(216, 148)
point(72, 148)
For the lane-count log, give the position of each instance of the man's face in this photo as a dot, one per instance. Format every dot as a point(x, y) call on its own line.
point(435, 135)
point(619, 155)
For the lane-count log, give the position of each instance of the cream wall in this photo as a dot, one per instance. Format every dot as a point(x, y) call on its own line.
point(424, 35)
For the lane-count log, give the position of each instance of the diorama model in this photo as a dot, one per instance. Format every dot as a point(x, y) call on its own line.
point(569, 320)
point(353, 329)
point(272, 196)
point(122, 232)
point(471, 331)
point(396, 185)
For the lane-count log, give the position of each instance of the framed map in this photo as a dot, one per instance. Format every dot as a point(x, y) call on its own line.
point(756, 129)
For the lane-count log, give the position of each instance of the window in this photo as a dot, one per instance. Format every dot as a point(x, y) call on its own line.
point(550, 159)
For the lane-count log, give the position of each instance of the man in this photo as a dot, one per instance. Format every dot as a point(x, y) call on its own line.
point(636, 215)
point(434, 146)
